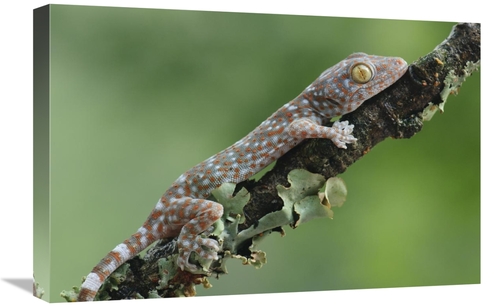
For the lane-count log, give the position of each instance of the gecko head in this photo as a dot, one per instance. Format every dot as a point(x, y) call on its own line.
point(356, 79)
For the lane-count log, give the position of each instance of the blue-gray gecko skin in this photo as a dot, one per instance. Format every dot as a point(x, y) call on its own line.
point(184, 210)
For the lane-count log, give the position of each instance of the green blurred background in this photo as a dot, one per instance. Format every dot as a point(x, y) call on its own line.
point(138, 96)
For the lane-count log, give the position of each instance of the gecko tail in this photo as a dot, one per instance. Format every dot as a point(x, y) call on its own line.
point(115, 258)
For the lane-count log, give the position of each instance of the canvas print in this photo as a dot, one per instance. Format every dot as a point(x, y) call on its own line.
point(182, 153)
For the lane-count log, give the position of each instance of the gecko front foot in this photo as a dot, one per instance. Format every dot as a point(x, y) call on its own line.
point(343, 134)
point(340, 132)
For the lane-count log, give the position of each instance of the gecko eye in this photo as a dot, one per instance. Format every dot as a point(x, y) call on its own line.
point(361, 73)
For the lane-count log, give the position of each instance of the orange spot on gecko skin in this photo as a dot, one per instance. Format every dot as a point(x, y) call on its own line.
point(159, 228)
point(88, 294)
point(116, 256)
point(202, 224)
point(275, 132)
point(102, 276)
point(156, 214)
point(150, 237)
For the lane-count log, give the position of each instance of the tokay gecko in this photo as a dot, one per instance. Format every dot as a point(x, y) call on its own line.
point(183, 211)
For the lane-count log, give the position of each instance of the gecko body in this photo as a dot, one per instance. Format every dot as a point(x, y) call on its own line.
point(183, 211)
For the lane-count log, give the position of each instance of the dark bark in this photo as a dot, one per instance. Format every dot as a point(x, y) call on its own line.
point(394, 113)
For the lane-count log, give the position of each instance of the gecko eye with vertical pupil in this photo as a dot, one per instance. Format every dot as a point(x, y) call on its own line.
point(361, 73)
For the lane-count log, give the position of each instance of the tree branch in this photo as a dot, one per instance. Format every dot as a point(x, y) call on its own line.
point(397, 112)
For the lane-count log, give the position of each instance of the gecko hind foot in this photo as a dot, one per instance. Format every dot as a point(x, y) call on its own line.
point(205, 248)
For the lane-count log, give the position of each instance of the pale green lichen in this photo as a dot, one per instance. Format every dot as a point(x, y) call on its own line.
point(206, 283)
point(166, 270)
point(301, 199)
point(112, 282)
point(257, 259)
point(452, 83)
point(233, 205)
point(71, 295)
point(301, 204)
point(233, 213)
point(430, 110)
point(37, 290)
point(152, 294)
point(335, 193)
